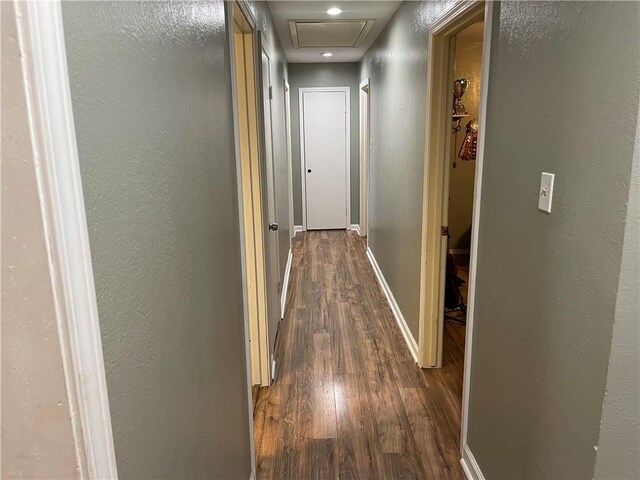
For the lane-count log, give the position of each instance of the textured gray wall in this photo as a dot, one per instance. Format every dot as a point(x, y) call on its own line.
point(303, 75)
point(151, 90)
point(397, 66)
point(619, 443)
point(546, 284)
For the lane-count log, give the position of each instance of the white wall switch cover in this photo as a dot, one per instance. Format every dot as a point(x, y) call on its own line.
point(546, 192)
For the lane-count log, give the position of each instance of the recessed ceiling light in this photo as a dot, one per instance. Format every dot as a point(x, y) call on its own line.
point(334, 11)
point(327, 54)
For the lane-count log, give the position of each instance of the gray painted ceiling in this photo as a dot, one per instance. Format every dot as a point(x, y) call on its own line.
point(284, 11)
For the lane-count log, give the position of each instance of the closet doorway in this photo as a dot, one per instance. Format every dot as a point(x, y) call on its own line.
point(456, 111)
point(365, 148)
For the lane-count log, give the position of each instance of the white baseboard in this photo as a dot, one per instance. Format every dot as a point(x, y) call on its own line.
point(297, 228)
point(469, 465)
point(253, 475)
point(459, 251)
point(402, 323)
point(356, 228)
point(285, 284)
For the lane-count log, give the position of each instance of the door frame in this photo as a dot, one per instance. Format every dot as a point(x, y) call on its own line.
point(365, 136)
point(48, 92)
point(259, 245)
point(287, 132)
point(301, 92)
point(438, 125)
point(229, 24)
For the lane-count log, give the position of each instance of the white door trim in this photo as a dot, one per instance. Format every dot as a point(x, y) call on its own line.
point(365, 150)
point(57, 167)
point(393, 305)
point(287, 121)
point(301, 92)
point(285, 285)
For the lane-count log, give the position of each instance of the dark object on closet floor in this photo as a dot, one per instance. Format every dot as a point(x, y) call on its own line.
point(453, 300)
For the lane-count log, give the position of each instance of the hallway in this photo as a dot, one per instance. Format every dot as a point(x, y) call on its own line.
point(348, 400)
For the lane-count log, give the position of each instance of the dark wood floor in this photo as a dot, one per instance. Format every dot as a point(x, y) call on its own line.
point(348, 400)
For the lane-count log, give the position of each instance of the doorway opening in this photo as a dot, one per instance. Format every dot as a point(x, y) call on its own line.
point(287, 133)
point(251, 194)
point(456, 112)
point(460, 178)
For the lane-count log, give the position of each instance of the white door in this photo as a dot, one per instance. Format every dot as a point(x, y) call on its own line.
point(273, 263)
point(325, 154)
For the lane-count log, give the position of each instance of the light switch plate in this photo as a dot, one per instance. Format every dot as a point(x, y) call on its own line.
point(546, 192)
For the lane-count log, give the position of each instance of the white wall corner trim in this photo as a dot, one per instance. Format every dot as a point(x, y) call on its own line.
point(297, 229)
point(356, 228)
point(285, 284)
point(469, 465)
point(62, 203)
point(402, 323)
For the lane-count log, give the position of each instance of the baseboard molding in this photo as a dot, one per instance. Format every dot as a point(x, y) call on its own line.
point(459, 251)
point(356, 228)
point(297, 228)
point(285, 284)
point(469, 465)
point(402, 323)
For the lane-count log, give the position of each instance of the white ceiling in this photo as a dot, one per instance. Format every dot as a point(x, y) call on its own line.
point(283, 11)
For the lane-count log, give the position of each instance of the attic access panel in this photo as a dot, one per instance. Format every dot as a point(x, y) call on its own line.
point(336, 33)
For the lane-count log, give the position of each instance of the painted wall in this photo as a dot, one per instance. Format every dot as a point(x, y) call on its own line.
point(619, 443)
point(468, 64)
point(325, 75)
point(37, 433)
point(546, 284)
point(151, 91)
point(397, 66)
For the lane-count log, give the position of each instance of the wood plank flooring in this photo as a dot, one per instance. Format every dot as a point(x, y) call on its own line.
point(349, 401)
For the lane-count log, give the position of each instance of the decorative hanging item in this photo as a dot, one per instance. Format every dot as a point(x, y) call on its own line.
point(459, 111)
point(469, 146)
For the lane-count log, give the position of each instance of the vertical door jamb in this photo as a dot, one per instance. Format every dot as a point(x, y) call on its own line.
point(273, 304)
point(365, 152)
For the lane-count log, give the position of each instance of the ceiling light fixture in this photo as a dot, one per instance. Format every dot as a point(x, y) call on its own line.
point(327, 54)
point(334, 11)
